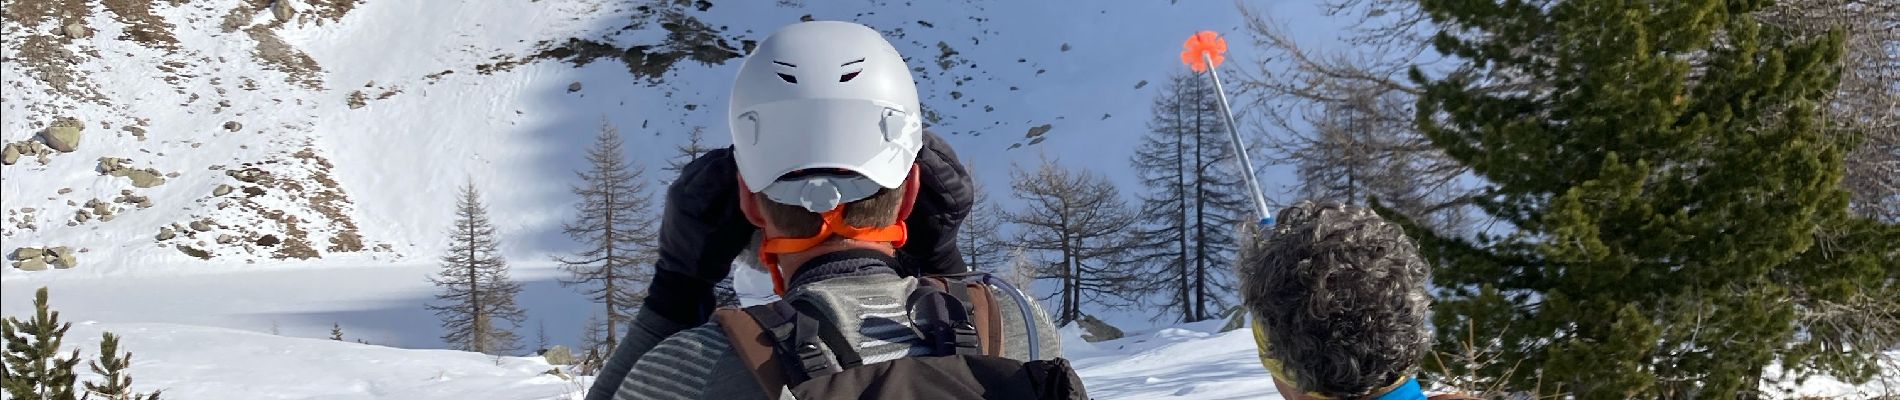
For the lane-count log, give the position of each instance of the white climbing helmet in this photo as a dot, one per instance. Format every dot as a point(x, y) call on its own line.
point(820, 96)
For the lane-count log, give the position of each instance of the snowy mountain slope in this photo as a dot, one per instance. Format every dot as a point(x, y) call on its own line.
point(359, 116)
point(203, 96)
point(357, 119)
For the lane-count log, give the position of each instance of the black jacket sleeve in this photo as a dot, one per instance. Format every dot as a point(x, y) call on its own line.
point(942, 205)
point(701, 231)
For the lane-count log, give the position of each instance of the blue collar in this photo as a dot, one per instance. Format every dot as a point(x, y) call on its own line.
point(1408, 391)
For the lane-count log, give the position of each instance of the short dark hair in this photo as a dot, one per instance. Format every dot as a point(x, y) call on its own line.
point(1341, 295)
point(878, 210)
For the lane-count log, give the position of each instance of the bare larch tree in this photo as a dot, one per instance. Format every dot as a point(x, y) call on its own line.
point(1077, 222)
point(615, 220)
point(1194, 199)
point(979, 239)
point(1344, 119)
point(477, 296)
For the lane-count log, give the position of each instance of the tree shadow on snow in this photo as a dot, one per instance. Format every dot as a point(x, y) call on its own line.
point(405, 322)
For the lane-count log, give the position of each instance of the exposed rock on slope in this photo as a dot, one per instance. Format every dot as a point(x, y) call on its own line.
point(38, 258)
point(140, 177)
point(258, 225)
point(63, 135)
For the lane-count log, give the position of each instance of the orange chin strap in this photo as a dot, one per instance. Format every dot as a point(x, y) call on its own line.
point(833, 225)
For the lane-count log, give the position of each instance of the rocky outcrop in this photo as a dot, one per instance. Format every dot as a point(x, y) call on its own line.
point(1236, 319)
point(28, 252)
point(63, 135)
point(104, 211)
point(15, 151)
point(144, 178)
point(99, 207)
point(37, 258)
point(126, 197)
point(94, 208)
point(24, 221)
point(250, 175)
point(1096, 330)
point(221, 190)
point(75, 31)
point(31, 264)
point(109, 164)
point(64, 258)
point(141, 177)
point(283, 10)
point(357, 99)
point(558, 355)
point(195, 252)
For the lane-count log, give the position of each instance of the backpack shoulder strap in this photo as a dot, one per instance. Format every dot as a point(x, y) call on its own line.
point(988, 319)
point(808, 334)
point(979, 306)
point(747, 330)
point(985, 311)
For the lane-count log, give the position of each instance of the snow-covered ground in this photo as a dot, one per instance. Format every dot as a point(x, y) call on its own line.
point(263, 335)
point(1194, 361)
point(198, 362)
point(210, 336)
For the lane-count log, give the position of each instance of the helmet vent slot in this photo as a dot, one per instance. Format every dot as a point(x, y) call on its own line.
point(788, 78)
point(847, 77)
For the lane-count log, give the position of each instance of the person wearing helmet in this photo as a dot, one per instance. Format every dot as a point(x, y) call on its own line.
point(1339, 306)
point(827, 135)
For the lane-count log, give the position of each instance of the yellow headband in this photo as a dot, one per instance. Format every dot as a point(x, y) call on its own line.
point(1278, 369)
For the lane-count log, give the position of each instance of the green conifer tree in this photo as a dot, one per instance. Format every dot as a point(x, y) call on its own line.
point(111, 367)
point(1667, 187)
point(33, 365)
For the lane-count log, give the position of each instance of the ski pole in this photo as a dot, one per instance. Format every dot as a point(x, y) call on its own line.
point(1205, 51)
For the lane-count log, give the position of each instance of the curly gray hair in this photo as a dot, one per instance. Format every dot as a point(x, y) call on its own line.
point(1341, 295)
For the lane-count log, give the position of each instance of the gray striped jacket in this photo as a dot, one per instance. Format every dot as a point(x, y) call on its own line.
point(699, 363)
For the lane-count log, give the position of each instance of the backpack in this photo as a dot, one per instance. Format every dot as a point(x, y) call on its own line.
point(787, 346)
